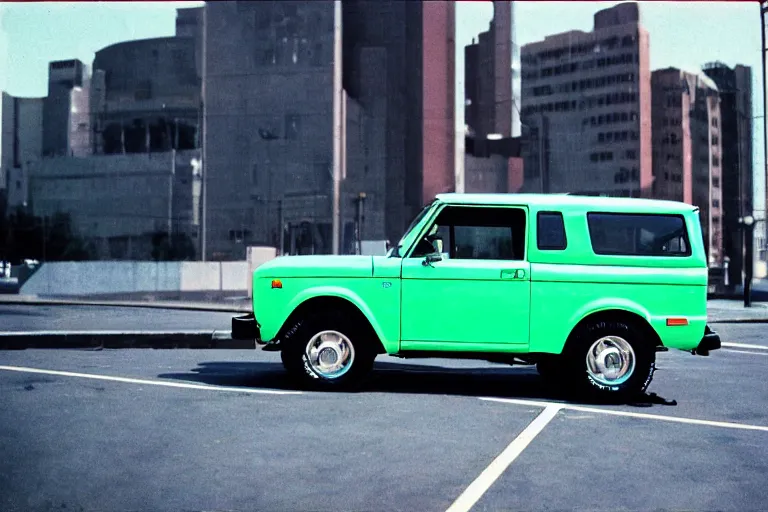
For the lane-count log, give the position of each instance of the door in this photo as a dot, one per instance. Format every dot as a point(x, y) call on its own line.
point(478, 293)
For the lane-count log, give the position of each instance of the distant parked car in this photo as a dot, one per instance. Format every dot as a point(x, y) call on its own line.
point(588, 289)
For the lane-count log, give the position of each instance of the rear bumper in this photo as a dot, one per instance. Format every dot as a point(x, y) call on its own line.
point(710, 341)
point(246, 327)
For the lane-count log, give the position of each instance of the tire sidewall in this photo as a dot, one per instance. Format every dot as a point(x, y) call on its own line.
point(296, 360)
point(645, 360)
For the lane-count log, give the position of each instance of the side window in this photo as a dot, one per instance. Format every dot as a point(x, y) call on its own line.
point(550, 231)
point(638, 234)
point(477, 233)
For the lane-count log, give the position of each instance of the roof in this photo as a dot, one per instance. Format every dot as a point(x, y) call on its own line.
point(555, 200)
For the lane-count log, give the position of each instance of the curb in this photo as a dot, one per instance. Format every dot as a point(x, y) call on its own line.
point(97, 340)
point(191, 306)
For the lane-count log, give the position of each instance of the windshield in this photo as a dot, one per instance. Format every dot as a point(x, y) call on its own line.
point(395, 251)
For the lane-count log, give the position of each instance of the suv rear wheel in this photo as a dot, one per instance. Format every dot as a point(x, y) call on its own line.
point(327, 352)
point(610, 360)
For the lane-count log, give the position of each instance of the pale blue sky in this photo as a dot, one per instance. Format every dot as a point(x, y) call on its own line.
point(682, 34)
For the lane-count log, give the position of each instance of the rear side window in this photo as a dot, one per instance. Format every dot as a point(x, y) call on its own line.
point(550, 231)
point(638, 234)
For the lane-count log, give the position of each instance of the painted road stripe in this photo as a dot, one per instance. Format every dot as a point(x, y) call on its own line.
point(744, 345)
point(483, 482)
point(745, 352)
point(149, 382)
point(690, 421)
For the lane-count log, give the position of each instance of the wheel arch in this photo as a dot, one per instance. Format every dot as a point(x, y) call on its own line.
point(617, 314)
point(336, 302)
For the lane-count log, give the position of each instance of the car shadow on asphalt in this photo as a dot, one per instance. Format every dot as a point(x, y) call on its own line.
point(502, 382)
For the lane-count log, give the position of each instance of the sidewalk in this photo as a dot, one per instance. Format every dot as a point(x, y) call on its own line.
point(718, 310)
point(236, 302)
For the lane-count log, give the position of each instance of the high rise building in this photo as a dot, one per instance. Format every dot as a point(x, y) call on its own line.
point(67, 130)
point(735, 90)
point(687, 148)
point(268, 126)
point(269, 96)
point(22, 145)
point(586, 112)
point(146, 96)
point(399, 64)
point(491, 107)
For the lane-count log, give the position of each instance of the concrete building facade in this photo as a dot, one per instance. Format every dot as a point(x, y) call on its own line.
point(268, 115)
point(587, 108)
point(22, 145)
point(269, 110)
point(146, 96)
point(399, 64)
point(66, 127)
point(687, 153)
point(735, 90)
point(119, 202)
point(491, 108)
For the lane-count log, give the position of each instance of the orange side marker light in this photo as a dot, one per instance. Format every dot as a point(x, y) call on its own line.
point(276, 283)
point(673, 322)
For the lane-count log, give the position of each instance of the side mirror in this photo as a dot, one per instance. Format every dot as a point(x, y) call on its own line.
point(429, 259)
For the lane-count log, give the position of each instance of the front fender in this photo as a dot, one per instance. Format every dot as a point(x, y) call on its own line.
point(342, 293)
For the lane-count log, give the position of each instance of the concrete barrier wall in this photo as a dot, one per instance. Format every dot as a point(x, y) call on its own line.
point(104, 277)
point(256, 256)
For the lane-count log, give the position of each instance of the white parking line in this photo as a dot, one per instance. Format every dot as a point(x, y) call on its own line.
point(744, 345)
point(149, 382)
point(483, 482)
point(690, 421)
point(745, 352)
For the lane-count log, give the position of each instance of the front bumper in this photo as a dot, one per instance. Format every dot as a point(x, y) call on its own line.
point(710, 341)
point(246, 327)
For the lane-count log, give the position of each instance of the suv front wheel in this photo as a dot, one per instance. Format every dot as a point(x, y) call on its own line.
point(611, 360)
point(327, 352)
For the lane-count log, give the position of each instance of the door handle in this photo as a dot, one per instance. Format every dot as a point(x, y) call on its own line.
point(513, 274)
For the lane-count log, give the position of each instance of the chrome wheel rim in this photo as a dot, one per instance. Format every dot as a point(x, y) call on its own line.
point(611, 360)
point(330, 354)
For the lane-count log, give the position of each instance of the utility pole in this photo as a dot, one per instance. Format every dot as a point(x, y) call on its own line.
point(338, 128)
point(171, 179)
point(764, 51)
point(204, 163)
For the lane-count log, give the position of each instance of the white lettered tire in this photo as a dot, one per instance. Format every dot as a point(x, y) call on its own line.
point(327, 351)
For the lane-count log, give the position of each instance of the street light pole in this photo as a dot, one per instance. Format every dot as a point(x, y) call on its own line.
point(747, 224)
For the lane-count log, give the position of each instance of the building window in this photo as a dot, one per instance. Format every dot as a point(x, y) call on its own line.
point(715, 161)
point(631, 154)
point(716, 181)
point(255, 175)
point(715, 203)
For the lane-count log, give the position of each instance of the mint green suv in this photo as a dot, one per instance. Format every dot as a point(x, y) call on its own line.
point(588, 289)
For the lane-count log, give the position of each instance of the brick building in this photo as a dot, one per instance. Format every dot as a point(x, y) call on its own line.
point(586, 112)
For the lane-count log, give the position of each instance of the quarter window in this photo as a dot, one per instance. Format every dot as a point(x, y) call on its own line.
point(550, 231)
point(638, 234)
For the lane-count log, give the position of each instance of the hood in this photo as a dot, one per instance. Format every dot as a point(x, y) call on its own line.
point(317, 266)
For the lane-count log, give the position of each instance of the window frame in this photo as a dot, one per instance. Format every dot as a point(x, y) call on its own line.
point(410, 254)
point(687, 254)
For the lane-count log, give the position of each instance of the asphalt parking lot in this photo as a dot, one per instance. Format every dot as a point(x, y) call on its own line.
point(224, 430)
